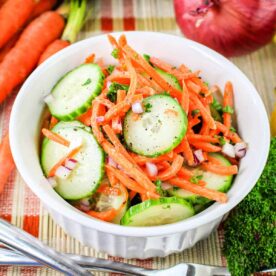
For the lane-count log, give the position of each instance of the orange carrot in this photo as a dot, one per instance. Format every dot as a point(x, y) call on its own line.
point(6, 159)
point(9, 45)
point(96, 106)
point(86, 117)
point(234, 137)
point(108, 215)
point(205, 146)
point(23, 57)
point(141, 160)
point(53, 48)
point(71, 154)
point(104, 101)
point(173, 170)
point(219, 169)
point(185, 97)
point(122, 41)
point(203, 138)
point(193, 87)
point(120, 78)
point(133, 79)
point(132, 194)
point(13, 15)
point(187, 175)
point(151, 72)
point(107, 190)
point(199, 190)
point(112, 179)
point(42, 6)
point(90, 59)
point(186, 149)
point(53, 122)
point(55, 137)
point(227, 102)
point(116, 121)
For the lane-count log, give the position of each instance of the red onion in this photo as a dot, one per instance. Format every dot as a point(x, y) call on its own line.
point(84, 208)
point(111, 162)
point(151, 169)
point(49, 98)
point(108, 84)
point(137, 108)
point(198, 156)
point(70, 163)
point(52, 181)
point(99, 119)
point(240, 149)
point(231, 27)
point(166, 186)
point(228, 150)
point(85, 201)
point(62, 172)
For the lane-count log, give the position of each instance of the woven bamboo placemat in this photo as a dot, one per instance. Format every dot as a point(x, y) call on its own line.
point(22, 208)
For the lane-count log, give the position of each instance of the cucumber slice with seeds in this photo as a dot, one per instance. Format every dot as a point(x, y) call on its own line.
point(160, 211)
point(221, 183)
point(86, 177)
point(159, 129)
point(74, 92)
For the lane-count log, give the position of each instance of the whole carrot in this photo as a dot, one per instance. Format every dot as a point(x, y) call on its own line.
point(7, 163)
point(23, 57)
point(42, 6)
point(13, 15)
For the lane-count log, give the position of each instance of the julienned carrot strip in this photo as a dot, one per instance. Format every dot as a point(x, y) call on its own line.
point(185, 98)
point(205, 146)
point(53, 122)
point(6, 160)
point(90, 58)
point(234, 137)
point(199, 190)
point(163, 165)
point(111, 178)
point(151, 72)
point(104, 102)
point(141, 160)
point(227, 102)
point(120, 78)
point(187, 175)
point(145, 80)
point(144, 197)
point(107, 190)
point(55, 137)
point(201, 84)
point(193, 87)
point(133, 79)
point(132, 194)
point(213, 160)
point(122, 41)
point(71, 154)
point(204, 113)
point(219, 169)
point(186, 149)
point(132, 169)
point(108, 215)
point(116, 121)
point(23, 57)
point(86, 117)
point(122, 107)
point(173, 170)
point(203, 138)
point(96, 106)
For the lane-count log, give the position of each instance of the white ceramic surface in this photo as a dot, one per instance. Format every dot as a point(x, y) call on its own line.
point(133, 242)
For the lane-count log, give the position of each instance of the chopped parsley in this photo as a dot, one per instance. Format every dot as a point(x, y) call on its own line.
point(110, 69)
point(206, 83)
point(115, 53)
point(194, 112)
point(112, 91)
point(233, 129)
point(194, 179)
point(165, 93)
point(159, 189)
point(87, 82)
point(216, 105)
point(228, 109)
point(146, 57)
point(222, 140)
point(147, 107)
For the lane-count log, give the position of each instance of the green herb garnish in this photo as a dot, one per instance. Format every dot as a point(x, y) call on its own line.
point(159, 189)
point(147, 107)
point(195, 179)
point(233, 129)
point(228, 109)
point(113, 89)
point(115, 53)
point(87, 82)
point(146, 57)
point(194, 112)
point(216, 105)
point(110, 69)
point(222, 140)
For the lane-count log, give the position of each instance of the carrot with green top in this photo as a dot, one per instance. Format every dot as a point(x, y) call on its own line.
point(55, 137)
point(199, 190)
point(227, 104)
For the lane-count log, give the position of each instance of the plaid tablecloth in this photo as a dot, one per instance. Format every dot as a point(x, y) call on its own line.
point(21, 207)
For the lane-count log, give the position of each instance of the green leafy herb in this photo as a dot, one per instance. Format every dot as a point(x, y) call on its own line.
point(194, 112)
point(165, 93)
point(206, 83)
point(87, 82)
point(146, 57)
point(233, 129)
point(194, 179)
point(216, 105)
point(222, 140)
point(228, 109)
point(112, 91)
point(115, 53)
point(250, 228)
point(159, 189)
point(147, 107)
point(110, 69)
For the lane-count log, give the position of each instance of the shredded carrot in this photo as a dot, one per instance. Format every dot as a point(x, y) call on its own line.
point(108, 215)
point(53, 122)
point(86, 117)
point(90, 59)
point(107, 190)
point(104, 102)
point(203, 138)
point(122, 41)
point(141, 160)
point(193, 87)
point(55, 137)
point(96, 107)
point(227, 102)
point(132, 194)
point(133, 79)
point(111, 178)
point(187, 175)
point(71, 154)
point(205, 146)
point(186, 149)
point(219, 169)
point(185, 98)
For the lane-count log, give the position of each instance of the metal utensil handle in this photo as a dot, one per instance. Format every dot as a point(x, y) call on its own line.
point(21, 241)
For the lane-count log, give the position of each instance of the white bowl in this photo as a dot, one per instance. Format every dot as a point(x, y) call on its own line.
point(142, 242)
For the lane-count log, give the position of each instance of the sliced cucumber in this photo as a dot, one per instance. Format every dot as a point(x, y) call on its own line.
point(75, 91)
point(73, 124)
point(169, 78)
point(86, 177)
point(158, 212)
point(159, 129)
point(221, 183)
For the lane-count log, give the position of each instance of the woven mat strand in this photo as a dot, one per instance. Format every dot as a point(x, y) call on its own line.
point(22, 208)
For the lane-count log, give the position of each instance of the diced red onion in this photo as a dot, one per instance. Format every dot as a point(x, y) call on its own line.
point(111, 162)
point(52, 181)
point(77, 142)
point(240, 149)
point(137, 108)
point(85, 201)
point(49, 98)
point(117, 124)
point(70, 163)
point(198, 156)
point(228, 150)
point(151, 169)
point(108, 84)
point(166, 186)
point(99, 119)
point(84, 208)
point(62, 172)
